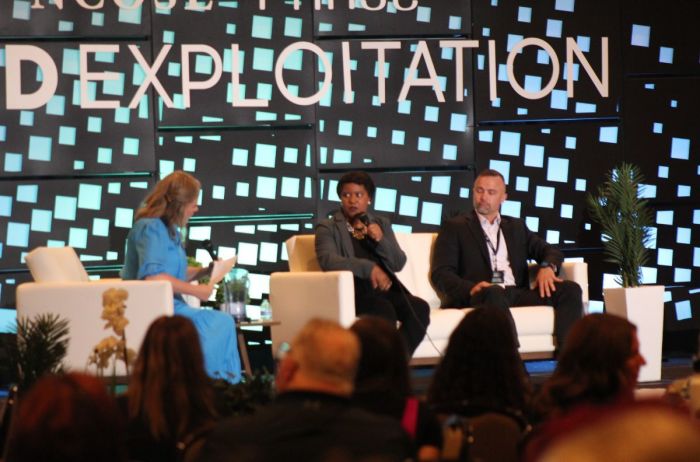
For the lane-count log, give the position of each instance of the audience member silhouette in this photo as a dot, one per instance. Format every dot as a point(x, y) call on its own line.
point(480, 390)
point(170, 397)
point(481, 369)
point(599, 366)
point(67, 418)
point(383, 386)
point(597, 369)
point(639, 432)
point(312, 418)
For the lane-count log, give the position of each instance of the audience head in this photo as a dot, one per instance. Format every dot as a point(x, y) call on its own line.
point(383, 366)
point(599, 363)
point(174, 199)
point(169, 388)
point(323, 357)
point(67, 418)
point(481, 365)
point(639, 433)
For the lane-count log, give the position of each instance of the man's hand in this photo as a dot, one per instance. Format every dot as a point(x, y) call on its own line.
point(379, 279)
point(478, 286)
point(545, 281)
point(374, 231)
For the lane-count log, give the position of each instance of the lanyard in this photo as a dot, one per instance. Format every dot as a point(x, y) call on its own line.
point(494, 249)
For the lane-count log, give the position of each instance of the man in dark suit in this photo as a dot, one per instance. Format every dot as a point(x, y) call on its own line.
point(312, 418)
point(481, 259)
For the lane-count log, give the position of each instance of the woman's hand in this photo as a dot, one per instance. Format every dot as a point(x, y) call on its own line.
point(202, 291)
point(371, 230)
point(374, 231)
point(379, 279)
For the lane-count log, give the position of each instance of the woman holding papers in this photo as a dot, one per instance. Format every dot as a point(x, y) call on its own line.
point(154, 251)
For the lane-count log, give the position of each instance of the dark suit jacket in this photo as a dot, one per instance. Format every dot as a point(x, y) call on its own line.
point(308, 427)
point(461, 258)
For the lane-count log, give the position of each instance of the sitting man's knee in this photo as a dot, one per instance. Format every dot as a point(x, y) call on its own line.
point(493, 295)
point(494, 290)
point(570, 287)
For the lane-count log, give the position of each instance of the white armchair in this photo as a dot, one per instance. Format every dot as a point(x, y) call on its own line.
point(61, 286)
point(305, 292)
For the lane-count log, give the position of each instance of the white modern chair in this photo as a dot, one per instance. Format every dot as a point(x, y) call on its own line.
point(305, 292)
point(61, 286)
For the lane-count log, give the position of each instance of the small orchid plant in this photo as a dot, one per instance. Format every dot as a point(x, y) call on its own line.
point(113, 348)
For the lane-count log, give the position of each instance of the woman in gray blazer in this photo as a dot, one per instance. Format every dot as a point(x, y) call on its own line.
point(355, 240)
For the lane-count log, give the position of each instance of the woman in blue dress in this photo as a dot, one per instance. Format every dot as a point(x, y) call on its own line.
point(154, 251)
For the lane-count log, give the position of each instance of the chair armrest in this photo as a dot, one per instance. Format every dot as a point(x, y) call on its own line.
point(576, 271)
point(298, 296)
point(81, 304)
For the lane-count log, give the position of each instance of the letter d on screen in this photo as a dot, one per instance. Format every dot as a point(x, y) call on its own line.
point(14, 55)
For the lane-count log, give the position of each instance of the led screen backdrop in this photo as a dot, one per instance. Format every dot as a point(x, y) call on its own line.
point(61, 138)
point(260, 37)
point(417, 132)
point(268, 107)
point(558, 28)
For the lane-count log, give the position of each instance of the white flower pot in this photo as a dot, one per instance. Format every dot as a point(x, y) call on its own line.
point(644, 307)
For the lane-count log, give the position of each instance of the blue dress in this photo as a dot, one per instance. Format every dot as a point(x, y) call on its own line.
point(150, 250)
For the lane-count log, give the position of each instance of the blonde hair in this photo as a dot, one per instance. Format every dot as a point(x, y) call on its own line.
point(327, 352)
point(169, 198)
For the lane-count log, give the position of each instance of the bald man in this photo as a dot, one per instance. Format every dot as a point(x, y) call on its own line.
point(312, 418)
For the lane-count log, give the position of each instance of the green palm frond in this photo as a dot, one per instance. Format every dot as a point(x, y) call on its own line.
point(624, 221)
point(42, 343)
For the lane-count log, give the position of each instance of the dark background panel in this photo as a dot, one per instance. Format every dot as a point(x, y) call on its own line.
point(18, 19)
point(257, 243)
point(682, 310)
point(655, 40)
point(8, 285)
point(61, 137)
point(429, 17)
point(413, 201)
point(549, 169)
point(661, 127)
point(420, 131)
point(91, 215)
point(261, 37)
point(510, 22)
point(251, 172)
point(676, 254)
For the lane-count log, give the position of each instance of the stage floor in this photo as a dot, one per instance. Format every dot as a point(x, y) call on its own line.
point(673, 368)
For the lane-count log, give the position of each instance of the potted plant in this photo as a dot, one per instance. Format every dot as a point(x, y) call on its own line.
point(42, 343)
point(625, 221)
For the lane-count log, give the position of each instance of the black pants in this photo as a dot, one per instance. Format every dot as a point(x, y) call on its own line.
point(393, 306)
point(566, 301)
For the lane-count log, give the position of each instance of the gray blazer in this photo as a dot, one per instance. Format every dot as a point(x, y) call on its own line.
point(335, 252)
